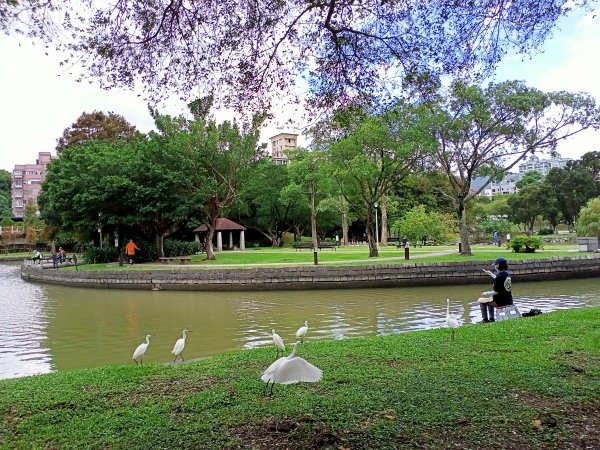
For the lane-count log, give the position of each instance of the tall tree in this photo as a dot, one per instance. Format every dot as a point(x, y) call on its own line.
point(570, 188)
point(264, 206)
point(369, 155)
point(345, 49)
point(309, 179)
point(96, 125)
point(488, 131)
point(220, 159)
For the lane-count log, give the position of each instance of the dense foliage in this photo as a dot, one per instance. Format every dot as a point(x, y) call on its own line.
point(5, 193)
point(525, 243)
point(488, 131)
point(96, 126)
point(185, 173)
point(248, 52)
point(588, 220)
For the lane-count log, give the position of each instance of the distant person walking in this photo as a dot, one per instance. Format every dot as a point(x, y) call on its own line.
point(130, 249)
point(508, 237)
point(496, 239)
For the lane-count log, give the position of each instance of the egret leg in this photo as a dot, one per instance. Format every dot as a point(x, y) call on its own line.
point(271, 393)
point(266, 388)
point(182, 358)
point(452, 333)
point(135, 361)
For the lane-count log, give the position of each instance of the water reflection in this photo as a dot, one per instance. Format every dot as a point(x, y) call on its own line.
point(24, 317)
point(87, 328)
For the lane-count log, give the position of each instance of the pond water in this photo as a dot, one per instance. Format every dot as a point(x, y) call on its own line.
point(45, 328)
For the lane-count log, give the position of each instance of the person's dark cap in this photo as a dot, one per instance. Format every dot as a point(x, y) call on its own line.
point(499, 260)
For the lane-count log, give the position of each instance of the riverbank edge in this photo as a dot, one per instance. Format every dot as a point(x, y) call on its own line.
point(318, 277)
point(411, 388)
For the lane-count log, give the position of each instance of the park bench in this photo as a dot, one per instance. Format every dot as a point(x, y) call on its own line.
point(48, 262)
point(331, 245)
point(301, 245)
point(170, 259)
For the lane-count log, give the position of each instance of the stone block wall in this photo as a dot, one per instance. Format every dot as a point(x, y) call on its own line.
point(318, 277)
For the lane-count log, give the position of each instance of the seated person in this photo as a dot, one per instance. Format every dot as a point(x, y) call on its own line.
point(62, 255)
point(501, 292)
point(37, 256)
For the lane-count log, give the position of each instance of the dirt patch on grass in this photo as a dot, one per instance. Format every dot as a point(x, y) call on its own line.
point(581, 421)
point(174, 388)
point(276, 434)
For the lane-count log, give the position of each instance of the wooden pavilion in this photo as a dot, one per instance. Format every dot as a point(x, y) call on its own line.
point(223, 226)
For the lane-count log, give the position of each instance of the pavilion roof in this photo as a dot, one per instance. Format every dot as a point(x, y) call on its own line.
point(222, 225)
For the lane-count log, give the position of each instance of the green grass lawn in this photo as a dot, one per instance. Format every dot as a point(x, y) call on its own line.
point(487, 389)
point(351, 255)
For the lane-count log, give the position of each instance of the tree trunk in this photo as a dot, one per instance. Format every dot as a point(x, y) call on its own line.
point(213, 215)
point(297, 233)
point(384, 221)
point(371, 235)
point(158, 244)
point(208, 245)
point(464, 230)
point(345, 239)
point(343, 212)
point(313, 220)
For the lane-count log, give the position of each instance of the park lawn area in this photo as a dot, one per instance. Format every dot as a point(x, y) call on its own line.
point(354, 255)
point(529, 383)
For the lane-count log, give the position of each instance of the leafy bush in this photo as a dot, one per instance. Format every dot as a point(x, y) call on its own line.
point(545, 232)
point(97, 255)
point(588, 221)
point(525, 244)
point(174, 247)
point(147, 252)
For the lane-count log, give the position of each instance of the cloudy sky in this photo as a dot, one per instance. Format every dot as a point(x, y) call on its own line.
point(40, 100)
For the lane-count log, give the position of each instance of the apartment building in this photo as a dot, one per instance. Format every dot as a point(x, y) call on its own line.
point(281, 142)
point(542, 166)
point(27, 181)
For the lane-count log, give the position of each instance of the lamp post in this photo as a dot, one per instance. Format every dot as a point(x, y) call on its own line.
point(376, 229)
point(100, 230)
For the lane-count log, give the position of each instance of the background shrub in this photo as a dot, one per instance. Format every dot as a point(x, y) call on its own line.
point(545, 232)
point(525, 244)
point(174, 247)
point(96, 255)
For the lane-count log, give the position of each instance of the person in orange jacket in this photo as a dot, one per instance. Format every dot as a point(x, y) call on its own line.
point(130, 249)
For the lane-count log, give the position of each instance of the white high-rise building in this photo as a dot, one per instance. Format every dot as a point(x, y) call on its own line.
point(281, 142)
point(542, 166)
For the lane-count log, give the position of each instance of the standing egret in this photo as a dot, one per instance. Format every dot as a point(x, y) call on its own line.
point(278, 343)
point(141, 349)
point(451, 319)
point(291, 369)
point(179, 345)
point(302, 331)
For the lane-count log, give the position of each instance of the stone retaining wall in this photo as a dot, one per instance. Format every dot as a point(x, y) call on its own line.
point(318, 277)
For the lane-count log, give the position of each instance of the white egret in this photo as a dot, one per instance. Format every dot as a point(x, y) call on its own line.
point(291, 369)
point(451, 319)
point(302, 331)
point(278, 343)
point(141, 349)
point(179, 345)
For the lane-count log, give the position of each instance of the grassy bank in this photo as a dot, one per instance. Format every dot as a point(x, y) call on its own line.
point(412, 390)
point(351, 255)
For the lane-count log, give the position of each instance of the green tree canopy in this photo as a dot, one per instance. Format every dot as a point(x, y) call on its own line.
point(490, 130)
point(588, 220)
point(96, 126)
point(345, 49)
point(370, 154)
